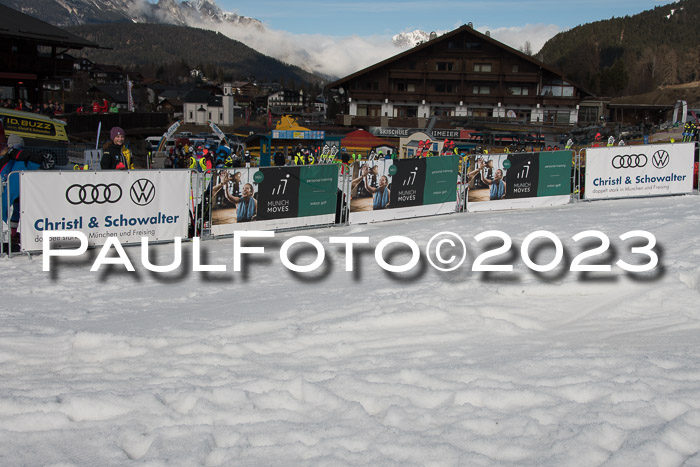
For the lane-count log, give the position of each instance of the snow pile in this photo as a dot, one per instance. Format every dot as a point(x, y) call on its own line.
point(268, 367)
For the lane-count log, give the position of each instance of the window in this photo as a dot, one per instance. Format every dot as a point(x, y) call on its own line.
point(406, 111)
point(455, 44)
point(367, 110)
point(405, 87)
point(558, 88)
point(515, 68)
point(479, 112)
point(473, 45)
point(444, 66)
point(482, 90)
point(557, 116)
point(368, 85)
point(482, 67)
point(518, 91)
point(588, 114)
point(441, 86)
point(443, 111)
point(190, 115)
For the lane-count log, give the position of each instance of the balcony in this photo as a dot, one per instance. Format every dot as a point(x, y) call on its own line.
point(521, 77)
point(405, 74)
point(444, 75)
point(40, 65)
point(477, 77)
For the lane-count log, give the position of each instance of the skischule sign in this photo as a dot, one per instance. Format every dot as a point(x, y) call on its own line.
point(388, 132)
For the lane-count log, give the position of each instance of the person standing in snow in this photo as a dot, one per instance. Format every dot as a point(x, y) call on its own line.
point(14, 158)
point(115, 155)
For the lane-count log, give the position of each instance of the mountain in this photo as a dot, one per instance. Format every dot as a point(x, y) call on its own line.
point(160, 46)
point(203, 14)
point(406, 40)
point(631, 55)
point(74, 12)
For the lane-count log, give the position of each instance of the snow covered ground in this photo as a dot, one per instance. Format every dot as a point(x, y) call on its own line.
point(267, 367)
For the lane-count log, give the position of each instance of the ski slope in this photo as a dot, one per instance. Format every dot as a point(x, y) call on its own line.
point(270, 367)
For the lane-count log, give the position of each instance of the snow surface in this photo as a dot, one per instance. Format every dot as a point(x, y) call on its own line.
point(266, 367)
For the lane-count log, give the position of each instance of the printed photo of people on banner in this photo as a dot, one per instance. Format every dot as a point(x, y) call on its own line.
point(370, 185)
point(273, 197)
point(402, 188)
point(507, 181)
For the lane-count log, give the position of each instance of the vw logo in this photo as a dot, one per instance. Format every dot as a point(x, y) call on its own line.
point(142, 191)
point(629, 161)
point(660, 159)
point(93, 194)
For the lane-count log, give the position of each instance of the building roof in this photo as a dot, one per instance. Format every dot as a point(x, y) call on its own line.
point(663, 97)
point(197, 96)
point(447, 36)
point(362, 139)
point(107, 68)
point(15, 24)
point(116, 93)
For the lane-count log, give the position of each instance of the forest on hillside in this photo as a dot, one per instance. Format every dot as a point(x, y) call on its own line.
point(169, 52)
point(633, 54)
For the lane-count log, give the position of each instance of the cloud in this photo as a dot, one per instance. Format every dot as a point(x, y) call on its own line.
point(516, 36)
point(326, 55)
point(341, 56)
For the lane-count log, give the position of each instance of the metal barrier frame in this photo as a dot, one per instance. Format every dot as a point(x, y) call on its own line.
point(579, 168)
point(5, 230)
point(201, 184)
point(697, 160)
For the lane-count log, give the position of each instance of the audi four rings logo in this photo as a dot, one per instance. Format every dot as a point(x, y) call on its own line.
point(142, 191)
point(629, 161)
point(93, 194)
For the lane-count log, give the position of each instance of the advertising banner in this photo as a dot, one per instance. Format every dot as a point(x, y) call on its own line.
point(644, 170)
point(28, 125)
point(271, 198)
point(523, 180)
point(128, 205)
point(402, 188)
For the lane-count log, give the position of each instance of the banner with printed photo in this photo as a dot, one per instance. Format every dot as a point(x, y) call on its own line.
point(273, 197)
point(403, 188)
point(127, 205)
point(644, 170)
point(523, 180)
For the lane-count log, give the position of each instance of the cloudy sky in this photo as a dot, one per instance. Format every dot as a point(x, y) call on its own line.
point(339, 38)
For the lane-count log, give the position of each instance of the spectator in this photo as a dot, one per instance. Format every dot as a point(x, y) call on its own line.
point(115, 155)
point(14, 158)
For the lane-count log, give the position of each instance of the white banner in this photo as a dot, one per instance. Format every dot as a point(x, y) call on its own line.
point(644, 170)
point(127, 205)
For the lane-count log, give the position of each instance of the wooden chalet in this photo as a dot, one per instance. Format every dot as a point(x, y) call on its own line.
point(462, 75)
point(33, 56)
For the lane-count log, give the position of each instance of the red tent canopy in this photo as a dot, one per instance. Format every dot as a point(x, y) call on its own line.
point(362, 139)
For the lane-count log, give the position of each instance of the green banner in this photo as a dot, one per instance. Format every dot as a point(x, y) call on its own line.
point(440, 179)
point(318, 190)
point(554, 174)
